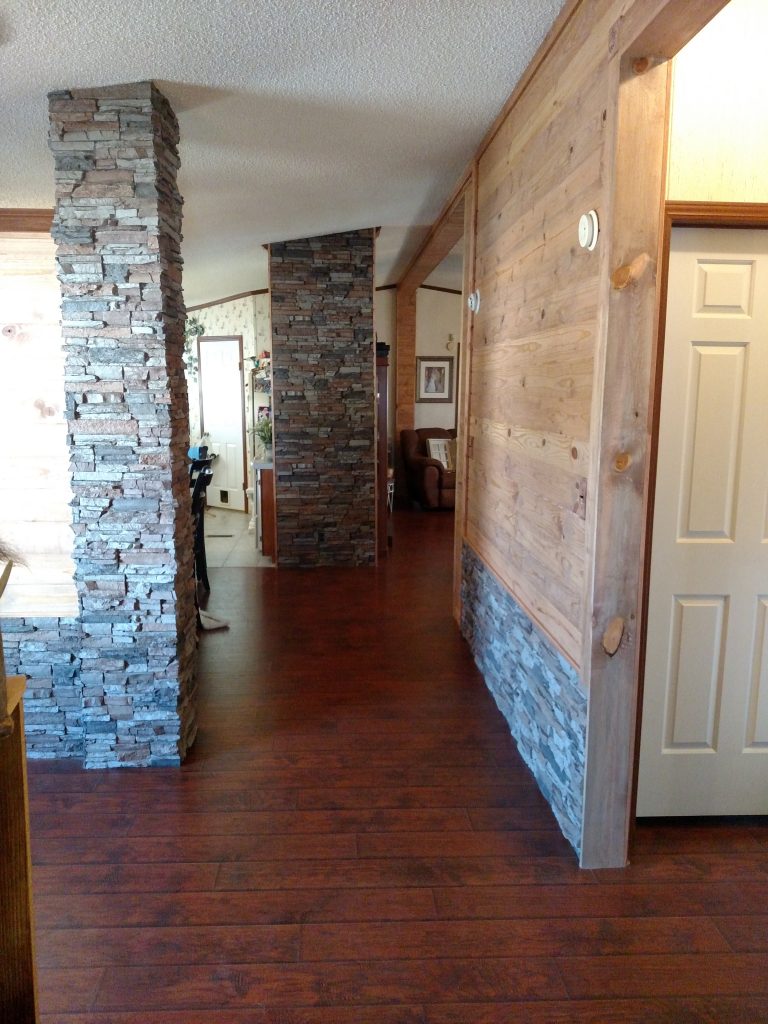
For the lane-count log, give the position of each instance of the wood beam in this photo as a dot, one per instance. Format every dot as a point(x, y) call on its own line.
point(442, 238)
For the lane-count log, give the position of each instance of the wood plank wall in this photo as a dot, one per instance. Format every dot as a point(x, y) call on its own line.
point(534, 409)
point(535, 336)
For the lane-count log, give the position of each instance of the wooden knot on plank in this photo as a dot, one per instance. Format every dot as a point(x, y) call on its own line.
point(622, 461)
point(630, 272)
point(6, 727)
point(641, 65)
point(614, 631)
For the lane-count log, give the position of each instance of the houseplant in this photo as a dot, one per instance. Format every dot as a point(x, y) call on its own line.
point(263, 435)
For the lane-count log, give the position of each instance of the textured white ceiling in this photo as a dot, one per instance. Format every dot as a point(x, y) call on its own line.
point(298, 117)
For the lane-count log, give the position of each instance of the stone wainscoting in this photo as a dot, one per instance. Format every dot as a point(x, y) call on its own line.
point(324, 399)
point(537, 690)
point(47, 652)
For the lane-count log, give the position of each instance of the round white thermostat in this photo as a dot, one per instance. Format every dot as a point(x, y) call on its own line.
point(588, 230)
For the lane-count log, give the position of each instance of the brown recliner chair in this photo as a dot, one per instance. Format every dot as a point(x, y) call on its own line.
point(428, 482)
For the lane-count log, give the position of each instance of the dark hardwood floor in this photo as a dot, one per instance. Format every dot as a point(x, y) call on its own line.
point(355, 839)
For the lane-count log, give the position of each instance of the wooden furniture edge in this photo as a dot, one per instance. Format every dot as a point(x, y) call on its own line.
point(26, 221)
point(16, 687)
point(19, 972)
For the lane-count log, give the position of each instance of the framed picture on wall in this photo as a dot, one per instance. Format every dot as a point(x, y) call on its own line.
point(434, 379)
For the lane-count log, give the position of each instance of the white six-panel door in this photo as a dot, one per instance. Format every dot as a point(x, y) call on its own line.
point(704, 737)
point(221, 389)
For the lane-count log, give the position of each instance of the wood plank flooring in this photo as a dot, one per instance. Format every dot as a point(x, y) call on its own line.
point(355, 840)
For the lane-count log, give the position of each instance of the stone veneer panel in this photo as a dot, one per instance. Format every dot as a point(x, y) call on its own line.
point(47, 652)
point(117, 226)
point(537, 690)
point(324, 399)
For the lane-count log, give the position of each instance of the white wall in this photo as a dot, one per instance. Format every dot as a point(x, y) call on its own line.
point(719, 126)
point(438, 319)
point(35, 486)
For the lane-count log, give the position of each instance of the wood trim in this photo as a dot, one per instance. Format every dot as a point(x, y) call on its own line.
point(655, 30)
point(442, 237)
point(463, 410)
point(229, 298)
point(26, 221)
point(728, 215)
point(436, 288)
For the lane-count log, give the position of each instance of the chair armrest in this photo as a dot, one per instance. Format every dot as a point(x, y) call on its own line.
point(424, 461)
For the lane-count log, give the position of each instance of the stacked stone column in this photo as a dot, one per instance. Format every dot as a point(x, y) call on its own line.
point(117, 226)
point(324, 399)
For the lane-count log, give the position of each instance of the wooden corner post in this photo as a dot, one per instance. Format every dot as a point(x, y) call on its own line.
point(640, 47)
point(628, 336)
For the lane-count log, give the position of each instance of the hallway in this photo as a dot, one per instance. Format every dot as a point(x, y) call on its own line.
point(355, 840)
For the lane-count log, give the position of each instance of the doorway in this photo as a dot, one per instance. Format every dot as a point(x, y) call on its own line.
point(704, 741)
point(222, 419)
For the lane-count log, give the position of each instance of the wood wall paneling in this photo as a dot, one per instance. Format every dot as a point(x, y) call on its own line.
point(533, 356)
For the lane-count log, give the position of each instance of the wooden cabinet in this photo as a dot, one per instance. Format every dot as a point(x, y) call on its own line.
point(382, 461)
point(17, 966)
point(267, 525)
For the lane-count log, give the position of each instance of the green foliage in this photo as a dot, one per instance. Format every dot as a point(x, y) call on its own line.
point(192, 331)
point(263, 431)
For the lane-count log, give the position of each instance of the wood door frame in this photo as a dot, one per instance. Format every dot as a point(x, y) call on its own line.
point(641, 47)
point(239, 339)
point(677, 214)
point(456, 221)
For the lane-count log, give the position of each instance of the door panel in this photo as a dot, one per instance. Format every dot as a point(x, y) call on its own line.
point(712, 446)
point(705, 709)
point(694, 682)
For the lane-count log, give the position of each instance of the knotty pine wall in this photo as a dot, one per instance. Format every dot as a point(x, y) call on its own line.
point(536, 334)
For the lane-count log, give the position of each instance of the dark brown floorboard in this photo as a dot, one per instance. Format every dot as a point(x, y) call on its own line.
point(355, 840)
